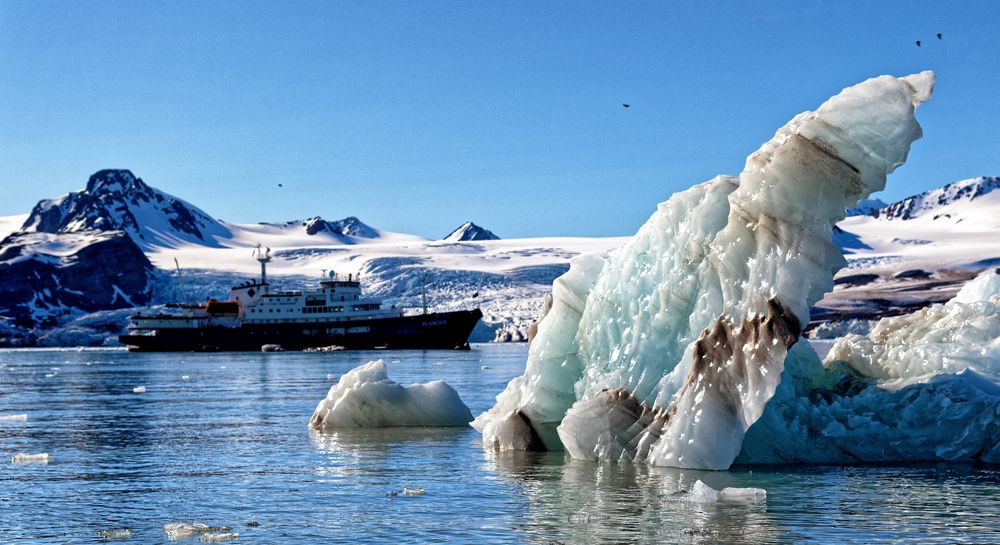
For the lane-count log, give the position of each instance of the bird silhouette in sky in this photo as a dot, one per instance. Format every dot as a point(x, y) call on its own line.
point(279, 185)
point(939, 35)
point(626, 105)
point(918, 43)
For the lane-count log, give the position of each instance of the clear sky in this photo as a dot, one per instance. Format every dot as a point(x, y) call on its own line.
point(418, 115)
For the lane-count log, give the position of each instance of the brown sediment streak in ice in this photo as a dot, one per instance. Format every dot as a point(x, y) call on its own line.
point(727, 375)
point(732, 361)
point(517, 432)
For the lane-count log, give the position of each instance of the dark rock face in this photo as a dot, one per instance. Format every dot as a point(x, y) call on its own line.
point(115, 200)
point(47, 278)
point(470, 231)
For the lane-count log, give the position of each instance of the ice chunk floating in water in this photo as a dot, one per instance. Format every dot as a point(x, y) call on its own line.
point(702, 493)
point(670, 349)
point(21, 458)
point(183, 530)
point(919, 387)
point(366, 398)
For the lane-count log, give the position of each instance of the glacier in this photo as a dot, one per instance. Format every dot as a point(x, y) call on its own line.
point(366, 398)
point(669, 349)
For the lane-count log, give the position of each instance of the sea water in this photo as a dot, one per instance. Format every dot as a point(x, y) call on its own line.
point(222, 440)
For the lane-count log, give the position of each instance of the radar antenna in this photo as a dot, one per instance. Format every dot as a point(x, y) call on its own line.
point(264, 257)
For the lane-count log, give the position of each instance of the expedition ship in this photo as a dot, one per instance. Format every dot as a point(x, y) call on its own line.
point(335, 315)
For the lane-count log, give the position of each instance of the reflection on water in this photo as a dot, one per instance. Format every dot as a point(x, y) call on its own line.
point(230, 445)
point(581, 502)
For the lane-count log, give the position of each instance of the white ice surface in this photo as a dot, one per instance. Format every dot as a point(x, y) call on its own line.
point(366, 398)
point(9, 224)
point(963, 333)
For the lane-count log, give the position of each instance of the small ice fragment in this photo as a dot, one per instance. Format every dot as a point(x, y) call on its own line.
point(743, 494)
point(50, 375)
point(484, 367)
point(21, 458)
point(330, 376)
point(413, 491)
point(184, 530)
point(584, 518)
point(185, 377)
point(271, 348)
point(701, 493)
point(14, 417)
point(54, 368)
point(139, 390)
point(116, 534)
point(219, 537)
point(331, 348)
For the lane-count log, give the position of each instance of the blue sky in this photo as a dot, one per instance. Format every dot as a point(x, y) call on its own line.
point(416, 116)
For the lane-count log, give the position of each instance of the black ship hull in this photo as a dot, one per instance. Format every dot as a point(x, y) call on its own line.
point(438, 330)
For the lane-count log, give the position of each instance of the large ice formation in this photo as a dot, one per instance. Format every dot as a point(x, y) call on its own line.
point(366, 398)
point(668, 351)
point(919, 387)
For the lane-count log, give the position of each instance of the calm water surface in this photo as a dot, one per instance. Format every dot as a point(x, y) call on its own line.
point(230, 445)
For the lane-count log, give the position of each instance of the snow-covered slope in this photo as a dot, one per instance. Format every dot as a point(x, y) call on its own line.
point(470, 231)
point(115, 200)
point(10, 224)
point(917, 251)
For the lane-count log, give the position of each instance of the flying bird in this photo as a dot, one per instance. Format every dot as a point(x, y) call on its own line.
point(918, 43)
point(939, 35)
point(279, 185)
point(626, 105)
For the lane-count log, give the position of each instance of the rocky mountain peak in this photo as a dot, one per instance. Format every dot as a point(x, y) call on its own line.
point(470, 231)
point(928, 201)
point(115, 181)
point(116, 200)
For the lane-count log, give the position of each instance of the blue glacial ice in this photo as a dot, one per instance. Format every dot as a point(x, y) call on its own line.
point(668, 350)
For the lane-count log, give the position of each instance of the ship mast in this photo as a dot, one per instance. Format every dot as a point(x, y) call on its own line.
point(423, 290)
point(264, 257)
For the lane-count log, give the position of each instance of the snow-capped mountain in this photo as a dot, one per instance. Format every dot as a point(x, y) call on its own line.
point(349, 230)
point(470, 231)
point(866, 207)
point(116, 200)
point(47, 278)
point(935, 201)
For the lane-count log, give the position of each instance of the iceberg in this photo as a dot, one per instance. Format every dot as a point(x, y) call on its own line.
point(667, 351)
point(366, 398)
point(919, 387)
